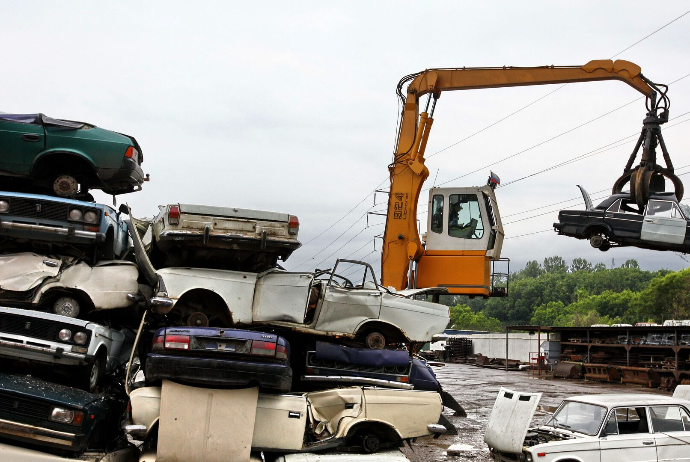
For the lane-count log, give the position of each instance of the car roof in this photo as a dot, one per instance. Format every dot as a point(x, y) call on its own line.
point(628, 399)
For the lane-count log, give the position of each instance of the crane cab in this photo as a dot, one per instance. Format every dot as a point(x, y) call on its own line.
point(464, 238)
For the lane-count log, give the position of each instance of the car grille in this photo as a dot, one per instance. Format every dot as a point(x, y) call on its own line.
point(36, 328)
point(20, 406)
point(35, 208)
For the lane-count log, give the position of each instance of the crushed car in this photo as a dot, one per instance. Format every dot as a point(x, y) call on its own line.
point(83, 350)
point(368, 419)
point(220, 357)
point(66, 285)
point(619, 221)
point(227, 238)
point(68, 158)
point(86, 230)
point(615, 427)
point(324, 303)
point(55, 417)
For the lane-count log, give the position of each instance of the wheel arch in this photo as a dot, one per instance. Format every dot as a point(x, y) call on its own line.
point(48, 156)
point(599, 227)
point(216, 299)
point(390, 331)
point(380, 427)
point(52, 294)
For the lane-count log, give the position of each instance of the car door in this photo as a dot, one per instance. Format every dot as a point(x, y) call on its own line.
point(21, 139)
point(624, 219)
point(351, 297)
point(671, 426)
point(626, 437)
point(663, 222)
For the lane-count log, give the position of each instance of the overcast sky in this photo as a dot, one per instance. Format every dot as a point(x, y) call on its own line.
point(291, 107)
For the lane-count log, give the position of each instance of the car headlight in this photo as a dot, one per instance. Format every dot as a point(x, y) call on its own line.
point(90, 217)
point(80, 338)
point(4, 206)
point(75, 215)
point(65, 335)
point(66, 416)
point(528, 457)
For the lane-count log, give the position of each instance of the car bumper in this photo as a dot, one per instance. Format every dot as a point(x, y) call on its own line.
point(42, 352)
point(224, 240)
point(30, 231)
point(218, 372)
point(129, 177)
point(40, 435)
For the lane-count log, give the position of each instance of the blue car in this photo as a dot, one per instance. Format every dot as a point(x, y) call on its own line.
point(220, 357)
point(86, 230)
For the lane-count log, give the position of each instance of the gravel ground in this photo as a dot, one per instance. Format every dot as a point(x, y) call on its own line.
point(475, 388)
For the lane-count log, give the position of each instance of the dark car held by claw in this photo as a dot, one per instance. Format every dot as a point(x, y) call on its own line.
point(219, 357)
point(618, 221)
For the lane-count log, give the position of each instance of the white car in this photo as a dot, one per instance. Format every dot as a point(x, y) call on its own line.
point(344, 302)
point(588, 428)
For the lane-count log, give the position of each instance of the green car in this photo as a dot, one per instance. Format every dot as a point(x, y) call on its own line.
point(67, 158)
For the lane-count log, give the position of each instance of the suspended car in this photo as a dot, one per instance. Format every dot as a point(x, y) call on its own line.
point(619, 221)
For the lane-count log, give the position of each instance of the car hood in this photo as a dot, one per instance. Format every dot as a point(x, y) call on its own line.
point(510, 419)
point(20, 272)
point(30, 387)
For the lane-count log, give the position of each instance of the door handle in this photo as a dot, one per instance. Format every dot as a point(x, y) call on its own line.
point(608, 215)
point(647, 443)
point(649, 220)
point(31, 137)
point(377, 294)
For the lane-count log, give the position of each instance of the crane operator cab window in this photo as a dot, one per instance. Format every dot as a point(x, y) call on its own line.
point(464, 217)
point(437, 214)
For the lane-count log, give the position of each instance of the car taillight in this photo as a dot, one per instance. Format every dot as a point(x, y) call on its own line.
point(171, 342)
point(293, 225)
point(174, 215)
point(132, 153)
point(281, 352)
point(263, 348)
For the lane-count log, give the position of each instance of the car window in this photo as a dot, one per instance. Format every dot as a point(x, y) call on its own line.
point(465, 219)
point(437, 214)
point(631, 420)
point(611, 424)
point(579, 417)
point(624, 206)
point(615, 207)
point(663, 209)
point(668, 419)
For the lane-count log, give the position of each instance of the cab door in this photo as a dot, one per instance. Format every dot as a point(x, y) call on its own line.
point(663, 222)
point(627, 437)
point(21, 139)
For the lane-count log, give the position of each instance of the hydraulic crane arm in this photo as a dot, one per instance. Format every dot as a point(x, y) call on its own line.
point(402, 243)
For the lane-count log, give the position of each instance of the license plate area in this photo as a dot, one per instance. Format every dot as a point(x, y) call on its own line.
point(224, 345)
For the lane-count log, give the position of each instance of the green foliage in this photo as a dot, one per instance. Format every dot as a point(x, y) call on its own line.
point(557, 293)
point(462, 317)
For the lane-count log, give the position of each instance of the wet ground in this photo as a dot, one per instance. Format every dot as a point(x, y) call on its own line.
point(475, 388)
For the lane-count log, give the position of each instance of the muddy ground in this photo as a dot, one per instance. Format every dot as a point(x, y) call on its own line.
point(475, 388)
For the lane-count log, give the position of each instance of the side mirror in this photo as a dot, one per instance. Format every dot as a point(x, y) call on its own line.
point(123, 209)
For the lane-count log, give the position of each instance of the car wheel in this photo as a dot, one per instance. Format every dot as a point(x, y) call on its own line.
point(375, 341)
point(90, 375)
point(597, 240)
point(371, 443)
point(66, 306)
point(65, 186)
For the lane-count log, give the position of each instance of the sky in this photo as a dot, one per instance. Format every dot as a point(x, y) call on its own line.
point(291, 107)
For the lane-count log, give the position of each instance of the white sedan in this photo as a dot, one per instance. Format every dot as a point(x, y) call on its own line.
point(601, 428)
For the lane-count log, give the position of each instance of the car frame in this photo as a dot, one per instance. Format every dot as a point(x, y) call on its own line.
point(67, 157)
point(629, 427)
point(40, 337)
point(324, 303)
point(61, 225)
point(219, 357)
point(65, 285)
point(617, 221)
point(48, 415)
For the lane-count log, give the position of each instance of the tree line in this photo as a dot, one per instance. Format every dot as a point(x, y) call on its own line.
point(556, 293)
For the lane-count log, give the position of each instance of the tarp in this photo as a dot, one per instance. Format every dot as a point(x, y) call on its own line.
point(361, 356)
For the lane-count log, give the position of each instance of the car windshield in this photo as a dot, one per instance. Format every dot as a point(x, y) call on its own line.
point(578, 417)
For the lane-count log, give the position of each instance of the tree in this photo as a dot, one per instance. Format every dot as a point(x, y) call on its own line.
point(580, 264)
point(555, 264)
point(464, 318)
point(532, 269)
point(632, 263)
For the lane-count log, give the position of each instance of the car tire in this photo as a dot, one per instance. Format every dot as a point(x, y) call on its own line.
point(90, 375)
point(605, 246)
point(66, 306)
point(65, 186)
point(375, 341)
point(371, 443)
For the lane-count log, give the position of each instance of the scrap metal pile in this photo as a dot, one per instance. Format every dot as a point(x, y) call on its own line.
point(117, 334)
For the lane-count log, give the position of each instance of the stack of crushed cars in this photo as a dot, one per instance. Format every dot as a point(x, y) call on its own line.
point(127, 339)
